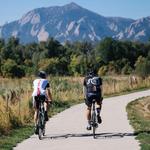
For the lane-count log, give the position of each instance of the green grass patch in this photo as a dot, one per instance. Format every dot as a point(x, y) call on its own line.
point(7, 142)
point(139, 116)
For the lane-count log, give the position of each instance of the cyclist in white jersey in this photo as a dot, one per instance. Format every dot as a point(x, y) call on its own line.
point(41, 87)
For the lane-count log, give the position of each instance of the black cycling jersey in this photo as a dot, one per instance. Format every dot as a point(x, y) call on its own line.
point(92, 91)
point(92, 84)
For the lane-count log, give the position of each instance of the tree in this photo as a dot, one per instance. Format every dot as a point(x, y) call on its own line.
point(77, 65)
point(126, 69)
point(55, 49)
point(103, 70)
point(11, 69)
point(2, 43)
point(104, 50)
point(49, 65)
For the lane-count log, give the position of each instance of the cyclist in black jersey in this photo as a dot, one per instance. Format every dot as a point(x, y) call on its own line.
point(92, 89)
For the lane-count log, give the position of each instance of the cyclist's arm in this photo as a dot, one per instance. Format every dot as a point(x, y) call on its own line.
point(48, 93)
point(101, 90)
point(84, 91)
point(101, 87)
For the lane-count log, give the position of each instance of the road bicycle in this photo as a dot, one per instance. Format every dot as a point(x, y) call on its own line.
point(94, 123)
point(41, 117)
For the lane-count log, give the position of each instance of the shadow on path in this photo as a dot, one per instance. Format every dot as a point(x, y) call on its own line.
point(98, 135)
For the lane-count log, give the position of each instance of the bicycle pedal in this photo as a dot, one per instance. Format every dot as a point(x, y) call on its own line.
point(95, 125)
point(36, 130)
point(88, 127)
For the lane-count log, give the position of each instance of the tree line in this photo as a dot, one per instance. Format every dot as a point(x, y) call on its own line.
point(109, 56)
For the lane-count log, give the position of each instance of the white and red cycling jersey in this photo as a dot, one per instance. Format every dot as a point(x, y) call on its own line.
point(39, 87)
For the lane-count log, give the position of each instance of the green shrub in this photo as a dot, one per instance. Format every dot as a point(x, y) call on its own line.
point(142, 67)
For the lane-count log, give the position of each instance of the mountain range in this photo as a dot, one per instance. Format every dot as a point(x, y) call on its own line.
point(72, 22)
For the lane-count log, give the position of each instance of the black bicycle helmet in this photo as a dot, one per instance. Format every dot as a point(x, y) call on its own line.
point(42, 74)
point(91, 72)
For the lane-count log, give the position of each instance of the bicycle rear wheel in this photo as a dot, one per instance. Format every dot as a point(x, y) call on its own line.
point(39, 127)
point(43, 128)
point(94, 124)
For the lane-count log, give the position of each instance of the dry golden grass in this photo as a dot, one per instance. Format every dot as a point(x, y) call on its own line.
point(139, 115)
point(16, 101)
point(4, 125)
point(118, 84)
point(143, 107)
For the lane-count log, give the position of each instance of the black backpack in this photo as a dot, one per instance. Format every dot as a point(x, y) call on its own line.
point(93, 84)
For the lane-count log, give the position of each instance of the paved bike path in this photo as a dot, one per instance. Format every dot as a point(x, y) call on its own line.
point(66, 131)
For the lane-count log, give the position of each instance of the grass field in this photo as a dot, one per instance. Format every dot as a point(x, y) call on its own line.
point(139, 116)
point(16, 101)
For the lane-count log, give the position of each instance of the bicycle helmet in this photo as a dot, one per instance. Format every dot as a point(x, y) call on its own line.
point(42, 74)
point(91, 72)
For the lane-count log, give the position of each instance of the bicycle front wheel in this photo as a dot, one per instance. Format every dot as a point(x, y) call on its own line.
point(41, 125)
point(40, 133)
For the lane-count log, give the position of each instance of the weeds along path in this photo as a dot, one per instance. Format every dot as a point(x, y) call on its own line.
point(67, 130)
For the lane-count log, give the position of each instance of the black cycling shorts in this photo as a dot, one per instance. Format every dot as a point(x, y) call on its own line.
point(91, 96)
point(36, 100)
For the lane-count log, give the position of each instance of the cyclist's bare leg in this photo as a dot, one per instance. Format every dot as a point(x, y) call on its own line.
point(35, 116)
point(36, 120)
point(98, 108)
point(46, 108)
point(88, 116)
point(88, 113)
point(35, 110)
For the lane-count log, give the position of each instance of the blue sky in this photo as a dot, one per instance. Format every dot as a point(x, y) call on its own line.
point(11, 10)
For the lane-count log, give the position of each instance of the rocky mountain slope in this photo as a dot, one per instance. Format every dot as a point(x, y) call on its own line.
point(72, 22)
